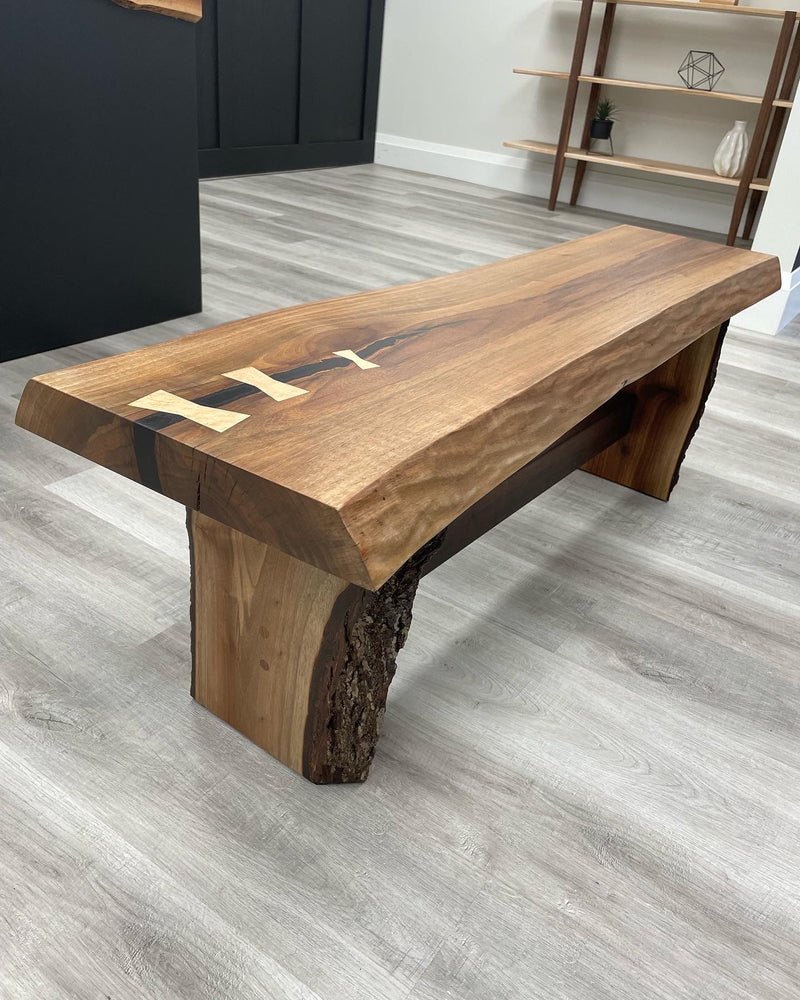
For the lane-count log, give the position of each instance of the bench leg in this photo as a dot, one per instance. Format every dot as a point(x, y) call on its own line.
point(297, 660)
point(669, 404)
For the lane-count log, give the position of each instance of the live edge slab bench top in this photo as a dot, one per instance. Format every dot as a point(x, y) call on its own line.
point(331, 454)
point(348, 433)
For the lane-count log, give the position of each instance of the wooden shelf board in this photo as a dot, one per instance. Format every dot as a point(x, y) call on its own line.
point(554, 74)
point(666, 88)
point(637, 163)
point(713, 8)
point(185, 10)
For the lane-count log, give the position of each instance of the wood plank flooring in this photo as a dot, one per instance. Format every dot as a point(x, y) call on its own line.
point(588, 785)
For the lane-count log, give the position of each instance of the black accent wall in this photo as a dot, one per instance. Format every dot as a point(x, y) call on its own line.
point(99, 228)
point(287, 85)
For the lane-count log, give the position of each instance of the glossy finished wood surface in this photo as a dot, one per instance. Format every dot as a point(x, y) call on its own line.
point(185, 10)
point(586, 786)
point(476, 374)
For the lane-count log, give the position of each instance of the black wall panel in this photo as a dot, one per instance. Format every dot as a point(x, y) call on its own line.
point(207, 79)
point(98, 172)
point(260, 60)
point(334, 47)
point(286, 84)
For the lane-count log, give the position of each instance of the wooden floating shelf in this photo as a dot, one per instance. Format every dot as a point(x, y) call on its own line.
point(184, 10)
point(666, 88)
point(713, 8)
point(637, 163)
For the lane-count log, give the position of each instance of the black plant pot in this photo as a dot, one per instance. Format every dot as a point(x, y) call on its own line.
point(601, 128)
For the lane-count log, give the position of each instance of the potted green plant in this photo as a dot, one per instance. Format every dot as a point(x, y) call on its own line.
point(603, 120)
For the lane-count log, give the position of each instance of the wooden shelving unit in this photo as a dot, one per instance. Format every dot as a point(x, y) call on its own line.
point(774, 104)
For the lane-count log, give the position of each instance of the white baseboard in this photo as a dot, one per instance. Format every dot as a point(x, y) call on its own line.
point(497, 170)
point(772, 314)
point(637, 195)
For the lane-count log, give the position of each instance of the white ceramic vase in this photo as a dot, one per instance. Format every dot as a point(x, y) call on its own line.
point(732, 151)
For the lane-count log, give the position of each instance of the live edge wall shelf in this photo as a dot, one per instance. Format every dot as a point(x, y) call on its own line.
point(185, 10)
point(774, 104)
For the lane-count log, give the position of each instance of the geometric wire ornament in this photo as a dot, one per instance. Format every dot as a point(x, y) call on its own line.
point(701, 70)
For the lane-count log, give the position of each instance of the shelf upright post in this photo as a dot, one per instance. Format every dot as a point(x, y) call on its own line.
point(594, 94)
point(765, 111)
point(774, 134)
point(569, 101)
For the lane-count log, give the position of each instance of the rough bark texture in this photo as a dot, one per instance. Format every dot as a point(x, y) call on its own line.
point(356, 666)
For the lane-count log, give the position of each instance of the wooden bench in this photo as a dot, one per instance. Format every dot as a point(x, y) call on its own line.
point(331, 454)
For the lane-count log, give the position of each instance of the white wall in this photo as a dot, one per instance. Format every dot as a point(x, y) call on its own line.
point(448, 97)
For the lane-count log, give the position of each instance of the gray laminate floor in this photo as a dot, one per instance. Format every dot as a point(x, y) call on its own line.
point(588, 785)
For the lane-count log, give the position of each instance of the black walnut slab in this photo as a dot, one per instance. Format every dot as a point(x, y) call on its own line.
point(331, 454)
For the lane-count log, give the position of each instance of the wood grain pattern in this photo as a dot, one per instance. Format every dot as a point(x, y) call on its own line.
point(258, 624)
point(185, 10)
point(591, 437)
point(670, 402)
point(479, 372)
point(300, 661)
point(297, 660)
